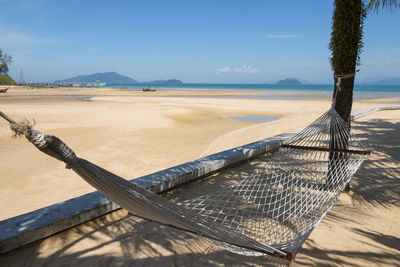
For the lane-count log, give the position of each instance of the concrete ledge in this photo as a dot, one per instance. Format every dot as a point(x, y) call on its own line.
point(26, 228)
point(364, 112)
point(21, 230)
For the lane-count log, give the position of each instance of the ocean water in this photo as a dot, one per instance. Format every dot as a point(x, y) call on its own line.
point(274, 91)
point(240, 86)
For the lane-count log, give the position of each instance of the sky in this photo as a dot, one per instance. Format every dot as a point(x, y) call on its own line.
point(247, 41)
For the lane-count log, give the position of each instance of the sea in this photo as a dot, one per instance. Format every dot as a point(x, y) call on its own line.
point(273, 91)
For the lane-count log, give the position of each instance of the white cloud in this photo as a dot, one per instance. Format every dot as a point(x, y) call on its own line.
point(283, 36)
point(247, 69)
point(242, 69)
point(224, 69)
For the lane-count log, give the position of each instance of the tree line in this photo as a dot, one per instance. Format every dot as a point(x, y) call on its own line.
point(5, 61)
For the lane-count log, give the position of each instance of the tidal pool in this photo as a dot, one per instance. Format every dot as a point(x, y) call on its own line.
point(255, 118)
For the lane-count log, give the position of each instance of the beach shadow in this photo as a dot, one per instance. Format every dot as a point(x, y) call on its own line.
point(315, 256)
point(377, 181)
point(124, 240)
point(386, 240)
point(139, 242)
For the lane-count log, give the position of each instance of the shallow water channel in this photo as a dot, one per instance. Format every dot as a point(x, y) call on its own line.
point(255, 118)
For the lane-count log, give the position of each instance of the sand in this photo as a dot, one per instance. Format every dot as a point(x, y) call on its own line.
point(133, 135)
point(129, 133)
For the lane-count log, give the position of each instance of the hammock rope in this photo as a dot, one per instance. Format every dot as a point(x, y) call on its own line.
point(272, 211)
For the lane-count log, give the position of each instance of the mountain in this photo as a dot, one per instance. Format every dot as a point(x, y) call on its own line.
point(289, 81)
point(170, 81)
point(394, 81)
point(106, 77)
point(112, 77)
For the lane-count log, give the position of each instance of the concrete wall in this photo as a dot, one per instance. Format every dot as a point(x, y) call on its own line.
point(365, 112)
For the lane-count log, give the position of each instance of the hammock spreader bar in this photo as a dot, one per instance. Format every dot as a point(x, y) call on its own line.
point(363, 152)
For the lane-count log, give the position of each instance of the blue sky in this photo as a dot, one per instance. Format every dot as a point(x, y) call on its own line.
point(248, 41)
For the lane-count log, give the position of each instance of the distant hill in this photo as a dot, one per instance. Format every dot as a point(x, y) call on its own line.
point(394, 81)
point(289, 81)
point(113, 77)
point(170, 81)
point(106, 77)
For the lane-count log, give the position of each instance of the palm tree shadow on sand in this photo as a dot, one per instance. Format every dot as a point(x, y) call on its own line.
point(120, 239)
point(376, 183)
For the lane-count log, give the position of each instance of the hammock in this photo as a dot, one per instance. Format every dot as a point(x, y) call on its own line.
point(270, 212)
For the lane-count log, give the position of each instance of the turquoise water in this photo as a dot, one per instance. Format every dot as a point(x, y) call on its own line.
point(275, 91)
point(279, 87)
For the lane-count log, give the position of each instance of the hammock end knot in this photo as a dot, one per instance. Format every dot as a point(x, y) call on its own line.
point(288, 255)
point(68, 166)
point(56, 148)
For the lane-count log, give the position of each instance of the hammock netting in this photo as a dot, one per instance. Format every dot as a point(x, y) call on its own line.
point(272, 211)
point(284, 199)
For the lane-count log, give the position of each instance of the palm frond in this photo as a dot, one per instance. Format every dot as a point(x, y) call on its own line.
point(376, 5)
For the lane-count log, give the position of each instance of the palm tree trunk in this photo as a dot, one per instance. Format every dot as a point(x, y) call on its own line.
point(346, 44)
point(344, 97)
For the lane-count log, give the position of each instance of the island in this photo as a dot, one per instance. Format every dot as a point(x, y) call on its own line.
point(393, 81)
point(289, 81)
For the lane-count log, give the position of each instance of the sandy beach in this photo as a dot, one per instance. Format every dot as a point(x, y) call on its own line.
point(129, 132)
point(135, 133)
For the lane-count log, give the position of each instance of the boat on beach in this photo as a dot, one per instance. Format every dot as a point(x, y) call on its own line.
point(148, 89)
point(4, 90)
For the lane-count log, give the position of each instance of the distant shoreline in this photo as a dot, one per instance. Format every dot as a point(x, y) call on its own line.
point(242, 91)
point(239, 86)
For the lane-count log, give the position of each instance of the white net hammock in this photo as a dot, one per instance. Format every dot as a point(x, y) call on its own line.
point(282, 201)
point(272, 211)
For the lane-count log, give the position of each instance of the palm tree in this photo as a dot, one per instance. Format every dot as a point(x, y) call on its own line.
point(346, 44)
point(377, 4)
